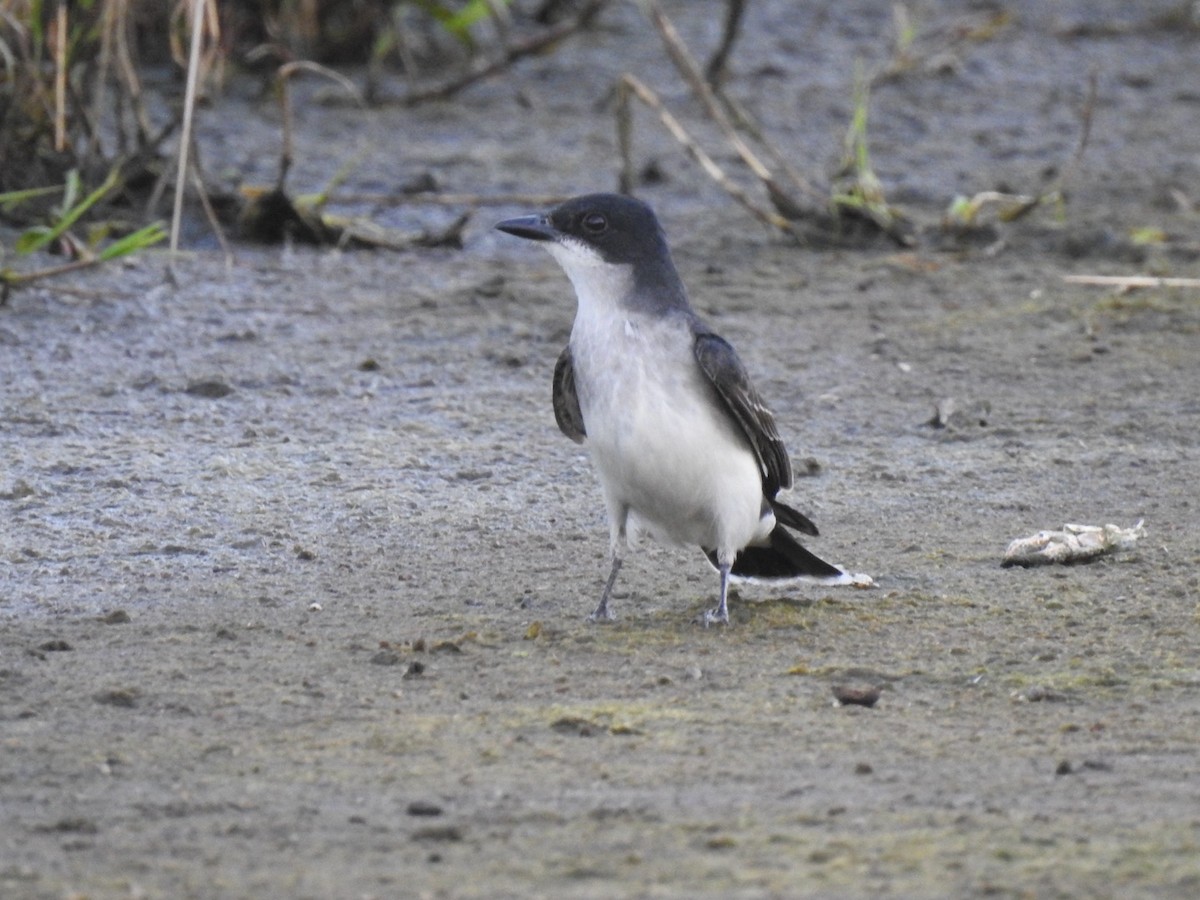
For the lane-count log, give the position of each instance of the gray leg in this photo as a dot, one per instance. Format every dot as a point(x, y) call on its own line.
point(601, 613)
point(720, 615)
point(618, 543)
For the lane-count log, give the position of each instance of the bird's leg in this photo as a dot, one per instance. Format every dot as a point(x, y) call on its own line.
point(601, 613)
point(720, 615)
point(618, 543)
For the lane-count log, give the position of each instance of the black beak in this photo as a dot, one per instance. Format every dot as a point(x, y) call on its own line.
point(534, 228)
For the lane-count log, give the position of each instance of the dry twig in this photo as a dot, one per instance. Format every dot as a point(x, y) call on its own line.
point(485, 68)
point(284, 76)
point(792, 202)
point(133, 83)
point(715, 71)
point(189, 107)
point(1010, 207)
point(629, 86)
point(690, 71)
point(432, 199)
point(1130, 282)
point(211, 214)
point(60, 79)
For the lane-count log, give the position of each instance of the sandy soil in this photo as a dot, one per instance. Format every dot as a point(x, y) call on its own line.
point(295, 563)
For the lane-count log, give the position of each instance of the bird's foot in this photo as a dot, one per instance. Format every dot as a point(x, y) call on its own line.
point(720, 614)
point(601, 615)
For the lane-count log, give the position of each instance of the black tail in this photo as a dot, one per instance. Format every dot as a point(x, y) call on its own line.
point(798, 521)
point(782, 558)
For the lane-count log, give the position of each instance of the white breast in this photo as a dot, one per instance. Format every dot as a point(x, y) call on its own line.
point(659, 444)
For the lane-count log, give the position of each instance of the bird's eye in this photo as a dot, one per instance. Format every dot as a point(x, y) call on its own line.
point(595, 223)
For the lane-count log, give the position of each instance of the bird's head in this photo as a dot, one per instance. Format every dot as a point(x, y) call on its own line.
point(610, 237)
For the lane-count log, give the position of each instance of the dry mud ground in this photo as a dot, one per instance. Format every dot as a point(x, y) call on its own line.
point(322, 635)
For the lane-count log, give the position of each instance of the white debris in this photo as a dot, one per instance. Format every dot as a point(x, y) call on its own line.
point(848, 579)
point(1075, 543)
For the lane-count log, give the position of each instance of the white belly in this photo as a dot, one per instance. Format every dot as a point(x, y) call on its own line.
point(679, 466)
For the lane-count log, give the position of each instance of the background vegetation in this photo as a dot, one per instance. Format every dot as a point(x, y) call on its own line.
point(96, 99)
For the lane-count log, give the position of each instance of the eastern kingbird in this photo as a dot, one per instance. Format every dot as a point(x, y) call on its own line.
point(685, 448)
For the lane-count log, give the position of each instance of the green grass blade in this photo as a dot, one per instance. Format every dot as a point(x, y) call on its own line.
point(138, 240)
point(36, 238)
point(11, 199)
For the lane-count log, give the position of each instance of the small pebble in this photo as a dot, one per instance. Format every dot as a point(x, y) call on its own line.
point(423, 808)
point(210, 388)
point(854, 695)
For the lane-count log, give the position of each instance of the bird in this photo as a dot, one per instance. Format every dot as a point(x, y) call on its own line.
point(685, 449)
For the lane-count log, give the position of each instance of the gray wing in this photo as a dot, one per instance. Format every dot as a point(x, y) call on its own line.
point(566, 401)
point(724, 370)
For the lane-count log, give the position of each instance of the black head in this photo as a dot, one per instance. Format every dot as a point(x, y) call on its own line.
point(619, 230)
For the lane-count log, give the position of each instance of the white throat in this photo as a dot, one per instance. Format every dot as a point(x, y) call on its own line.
point(600, 286)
